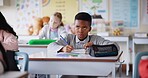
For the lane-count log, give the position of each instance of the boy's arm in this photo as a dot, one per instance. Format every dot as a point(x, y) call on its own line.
point(56, 46)
point(62, 32)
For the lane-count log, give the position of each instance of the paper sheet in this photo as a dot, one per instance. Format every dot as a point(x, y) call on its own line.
point(74, 53)
point(78, 51)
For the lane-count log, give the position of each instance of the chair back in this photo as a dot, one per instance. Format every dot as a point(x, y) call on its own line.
point(136, 63)
point(22, 60)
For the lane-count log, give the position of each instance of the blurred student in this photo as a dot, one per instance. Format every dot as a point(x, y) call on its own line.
point(54, 28)
point(8, 37)
point(70, 29)
point(79, 40)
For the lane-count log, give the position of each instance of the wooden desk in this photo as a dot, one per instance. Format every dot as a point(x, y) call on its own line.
point(123, 42)
point(138, 41)
point(84, 65)
point(14, 74)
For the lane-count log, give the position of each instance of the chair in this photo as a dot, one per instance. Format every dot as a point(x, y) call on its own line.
point(136, 63)
point(22, 60)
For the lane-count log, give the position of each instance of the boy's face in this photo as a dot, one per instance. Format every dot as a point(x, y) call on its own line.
point(82, 28)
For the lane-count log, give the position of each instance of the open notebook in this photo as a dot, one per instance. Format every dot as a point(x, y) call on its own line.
point(74, 53)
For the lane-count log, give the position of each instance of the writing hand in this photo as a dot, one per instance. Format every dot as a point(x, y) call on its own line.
point(67, 48)
point(89, 44)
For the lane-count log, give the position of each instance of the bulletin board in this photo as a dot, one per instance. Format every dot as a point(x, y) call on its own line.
point(95, 7)
point(98, 9)
point(121, 13)
point(125, 13)
point(26, 10)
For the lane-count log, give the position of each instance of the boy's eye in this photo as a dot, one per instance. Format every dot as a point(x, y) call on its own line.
point(85, 28)
point(77, 27)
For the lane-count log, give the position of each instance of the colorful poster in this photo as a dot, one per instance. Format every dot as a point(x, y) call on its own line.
point(95, 7)
point(99, 11)
point(124, 13)
point(26, 10)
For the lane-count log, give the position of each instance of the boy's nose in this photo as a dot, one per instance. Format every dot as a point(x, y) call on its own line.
point(80, 30)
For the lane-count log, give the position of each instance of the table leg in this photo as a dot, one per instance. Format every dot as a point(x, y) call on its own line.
point(133, 57)
point(113, 72)
point(127, 69)
point(128, 59)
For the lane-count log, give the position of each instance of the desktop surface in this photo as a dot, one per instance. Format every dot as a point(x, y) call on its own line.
point(71, 57)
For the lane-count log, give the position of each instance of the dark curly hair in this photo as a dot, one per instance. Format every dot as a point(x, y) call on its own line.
point(84, 16)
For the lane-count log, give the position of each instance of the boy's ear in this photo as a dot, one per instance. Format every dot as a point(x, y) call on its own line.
point(90, 29)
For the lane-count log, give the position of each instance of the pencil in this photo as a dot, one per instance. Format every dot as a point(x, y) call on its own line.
point(64, 40)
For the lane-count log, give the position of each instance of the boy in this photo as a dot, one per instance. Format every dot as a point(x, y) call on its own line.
point(79, 40)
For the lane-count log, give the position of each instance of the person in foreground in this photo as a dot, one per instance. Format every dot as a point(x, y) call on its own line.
point(8, 37)
point(79, 40)
point(54, 28)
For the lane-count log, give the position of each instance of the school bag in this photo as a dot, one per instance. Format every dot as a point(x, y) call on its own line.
point(103, 50)
point(9, 63)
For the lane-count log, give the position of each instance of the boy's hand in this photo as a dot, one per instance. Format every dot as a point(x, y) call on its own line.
point(67, 48)
point(88, 44)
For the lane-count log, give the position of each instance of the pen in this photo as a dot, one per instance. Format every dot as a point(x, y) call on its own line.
point(64, 40)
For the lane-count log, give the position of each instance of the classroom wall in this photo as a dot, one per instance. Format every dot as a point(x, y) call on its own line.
point(10, 14)
point(68, 9)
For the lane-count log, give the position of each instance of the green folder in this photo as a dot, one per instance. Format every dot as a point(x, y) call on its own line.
point(40, 41)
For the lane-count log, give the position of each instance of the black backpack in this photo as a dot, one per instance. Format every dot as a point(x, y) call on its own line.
point(9, 64)
point(103, 50)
